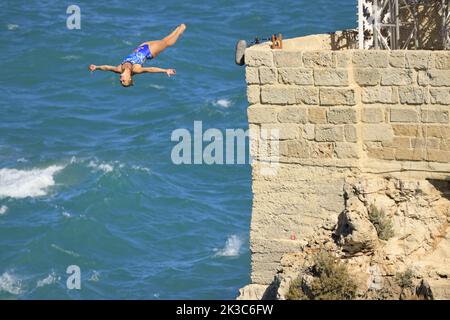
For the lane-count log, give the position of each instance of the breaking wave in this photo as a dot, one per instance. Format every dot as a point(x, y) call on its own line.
point(27, 183)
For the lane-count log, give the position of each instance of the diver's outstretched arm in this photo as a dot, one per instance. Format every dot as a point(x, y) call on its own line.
point(93, 67)
point(169, 72)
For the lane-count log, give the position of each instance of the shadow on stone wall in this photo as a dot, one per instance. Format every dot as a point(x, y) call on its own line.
point(346, 39)
point(442, 186)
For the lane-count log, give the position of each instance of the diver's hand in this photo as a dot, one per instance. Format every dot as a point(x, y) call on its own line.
point(92, 67)
point(171, 72)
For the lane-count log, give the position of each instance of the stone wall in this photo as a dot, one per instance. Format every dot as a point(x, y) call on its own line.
point(339, 113)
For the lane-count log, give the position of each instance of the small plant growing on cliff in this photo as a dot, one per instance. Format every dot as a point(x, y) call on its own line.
point(331, 281)
point(405, 279)
point(381, 222)
point(295, 291)
point(405, 282)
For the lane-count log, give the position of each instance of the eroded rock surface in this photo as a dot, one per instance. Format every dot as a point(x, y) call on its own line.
point(418, 249)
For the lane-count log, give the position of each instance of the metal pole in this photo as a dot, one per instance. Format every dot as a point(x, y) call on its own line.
point(360, 25)
point(397, 24)
point(444, 13)
point(416, 25)
point(375, 23)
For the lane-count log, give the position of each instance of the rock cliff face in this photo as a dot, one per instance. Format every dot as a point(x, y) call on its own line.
point(418, 215)
point(351, 156)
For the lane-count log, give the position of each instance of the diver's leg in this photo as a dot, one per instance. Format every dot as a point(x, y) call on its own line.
point(172, 38)
point(158, 46)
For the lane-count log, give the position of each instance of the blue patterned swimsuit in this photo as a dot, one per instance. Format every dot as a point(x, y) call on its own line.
point(139, 55)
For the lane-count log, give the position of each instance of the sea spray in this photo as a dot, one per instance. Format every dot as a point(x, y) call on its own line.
point(27, 183)
point(232, 247)
point(10, 284)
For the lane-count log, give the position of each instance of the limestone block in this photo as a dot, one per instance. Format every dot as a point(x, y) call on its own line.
point(372, 114)
point(398, 142)
point(436, 131)
point(262, 114)
point(441, 59)
point(322, 150)
point(440, 96)
point(294, 114)
point(253, 94)
point(350, 133)
point(377, 132)
point(418, 59)
point(379, 95)
point(435, 78)
point(278, 95)
point(255, 57)
point(289, 95)
point(343, 58)
point(413, 95)
point(295, 149)
point(327, 133)
point(267, 75)
point(284, 131)
point(409, 154)
point(404, 114)
point(371, 59)
point(434, 115)
point(331, 77)
point(438, 156)
point(344, 150)
point(409, 130)
point(341, 115)
point(307, 95)
point(397, 77)
point(397, 59)
point(337, 96)
point(288, 59)
point(309, 131)
point(319, 59)
point(423, 143)
point(252, 75)
point(381, 153)
point(317, 115)
point(298, 76)
point(367, 76)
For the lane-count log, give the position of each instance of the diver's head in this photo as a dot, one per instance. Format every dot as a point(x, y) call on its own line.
point(126, 79)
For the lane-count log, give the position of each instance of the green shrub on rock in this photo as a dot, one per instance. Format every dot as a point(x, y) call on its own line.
point(331, 281)
point(381, 222)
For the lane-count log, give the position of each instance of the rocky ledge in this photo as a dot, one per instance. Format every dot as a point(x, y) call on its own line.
point(393, 239)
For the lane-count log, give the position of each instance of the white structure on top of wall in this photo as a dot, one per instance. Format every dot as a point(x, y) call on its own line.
point(403, 24)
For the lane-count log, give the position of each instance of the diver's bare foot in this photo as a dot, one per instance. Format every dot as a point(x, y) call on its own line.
point(182, 27)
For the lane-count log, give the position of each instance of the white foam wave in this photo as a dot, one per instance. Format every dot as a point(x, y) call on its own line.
point(71, 57)
point(66, 214)
point(105, 167)
point(27, 183)
point(95, 277)
point(3, 210)
point(139, 168)
point(50, 279)
point(12, 26)
point(22, 160)
point(232, 247)
point(156, 86)
point(10, 284)
point(224, 103)
point(70, 253)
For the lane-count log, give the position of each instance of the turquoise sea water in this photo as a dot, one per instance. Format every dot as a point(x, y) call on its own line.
point(86, 176)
